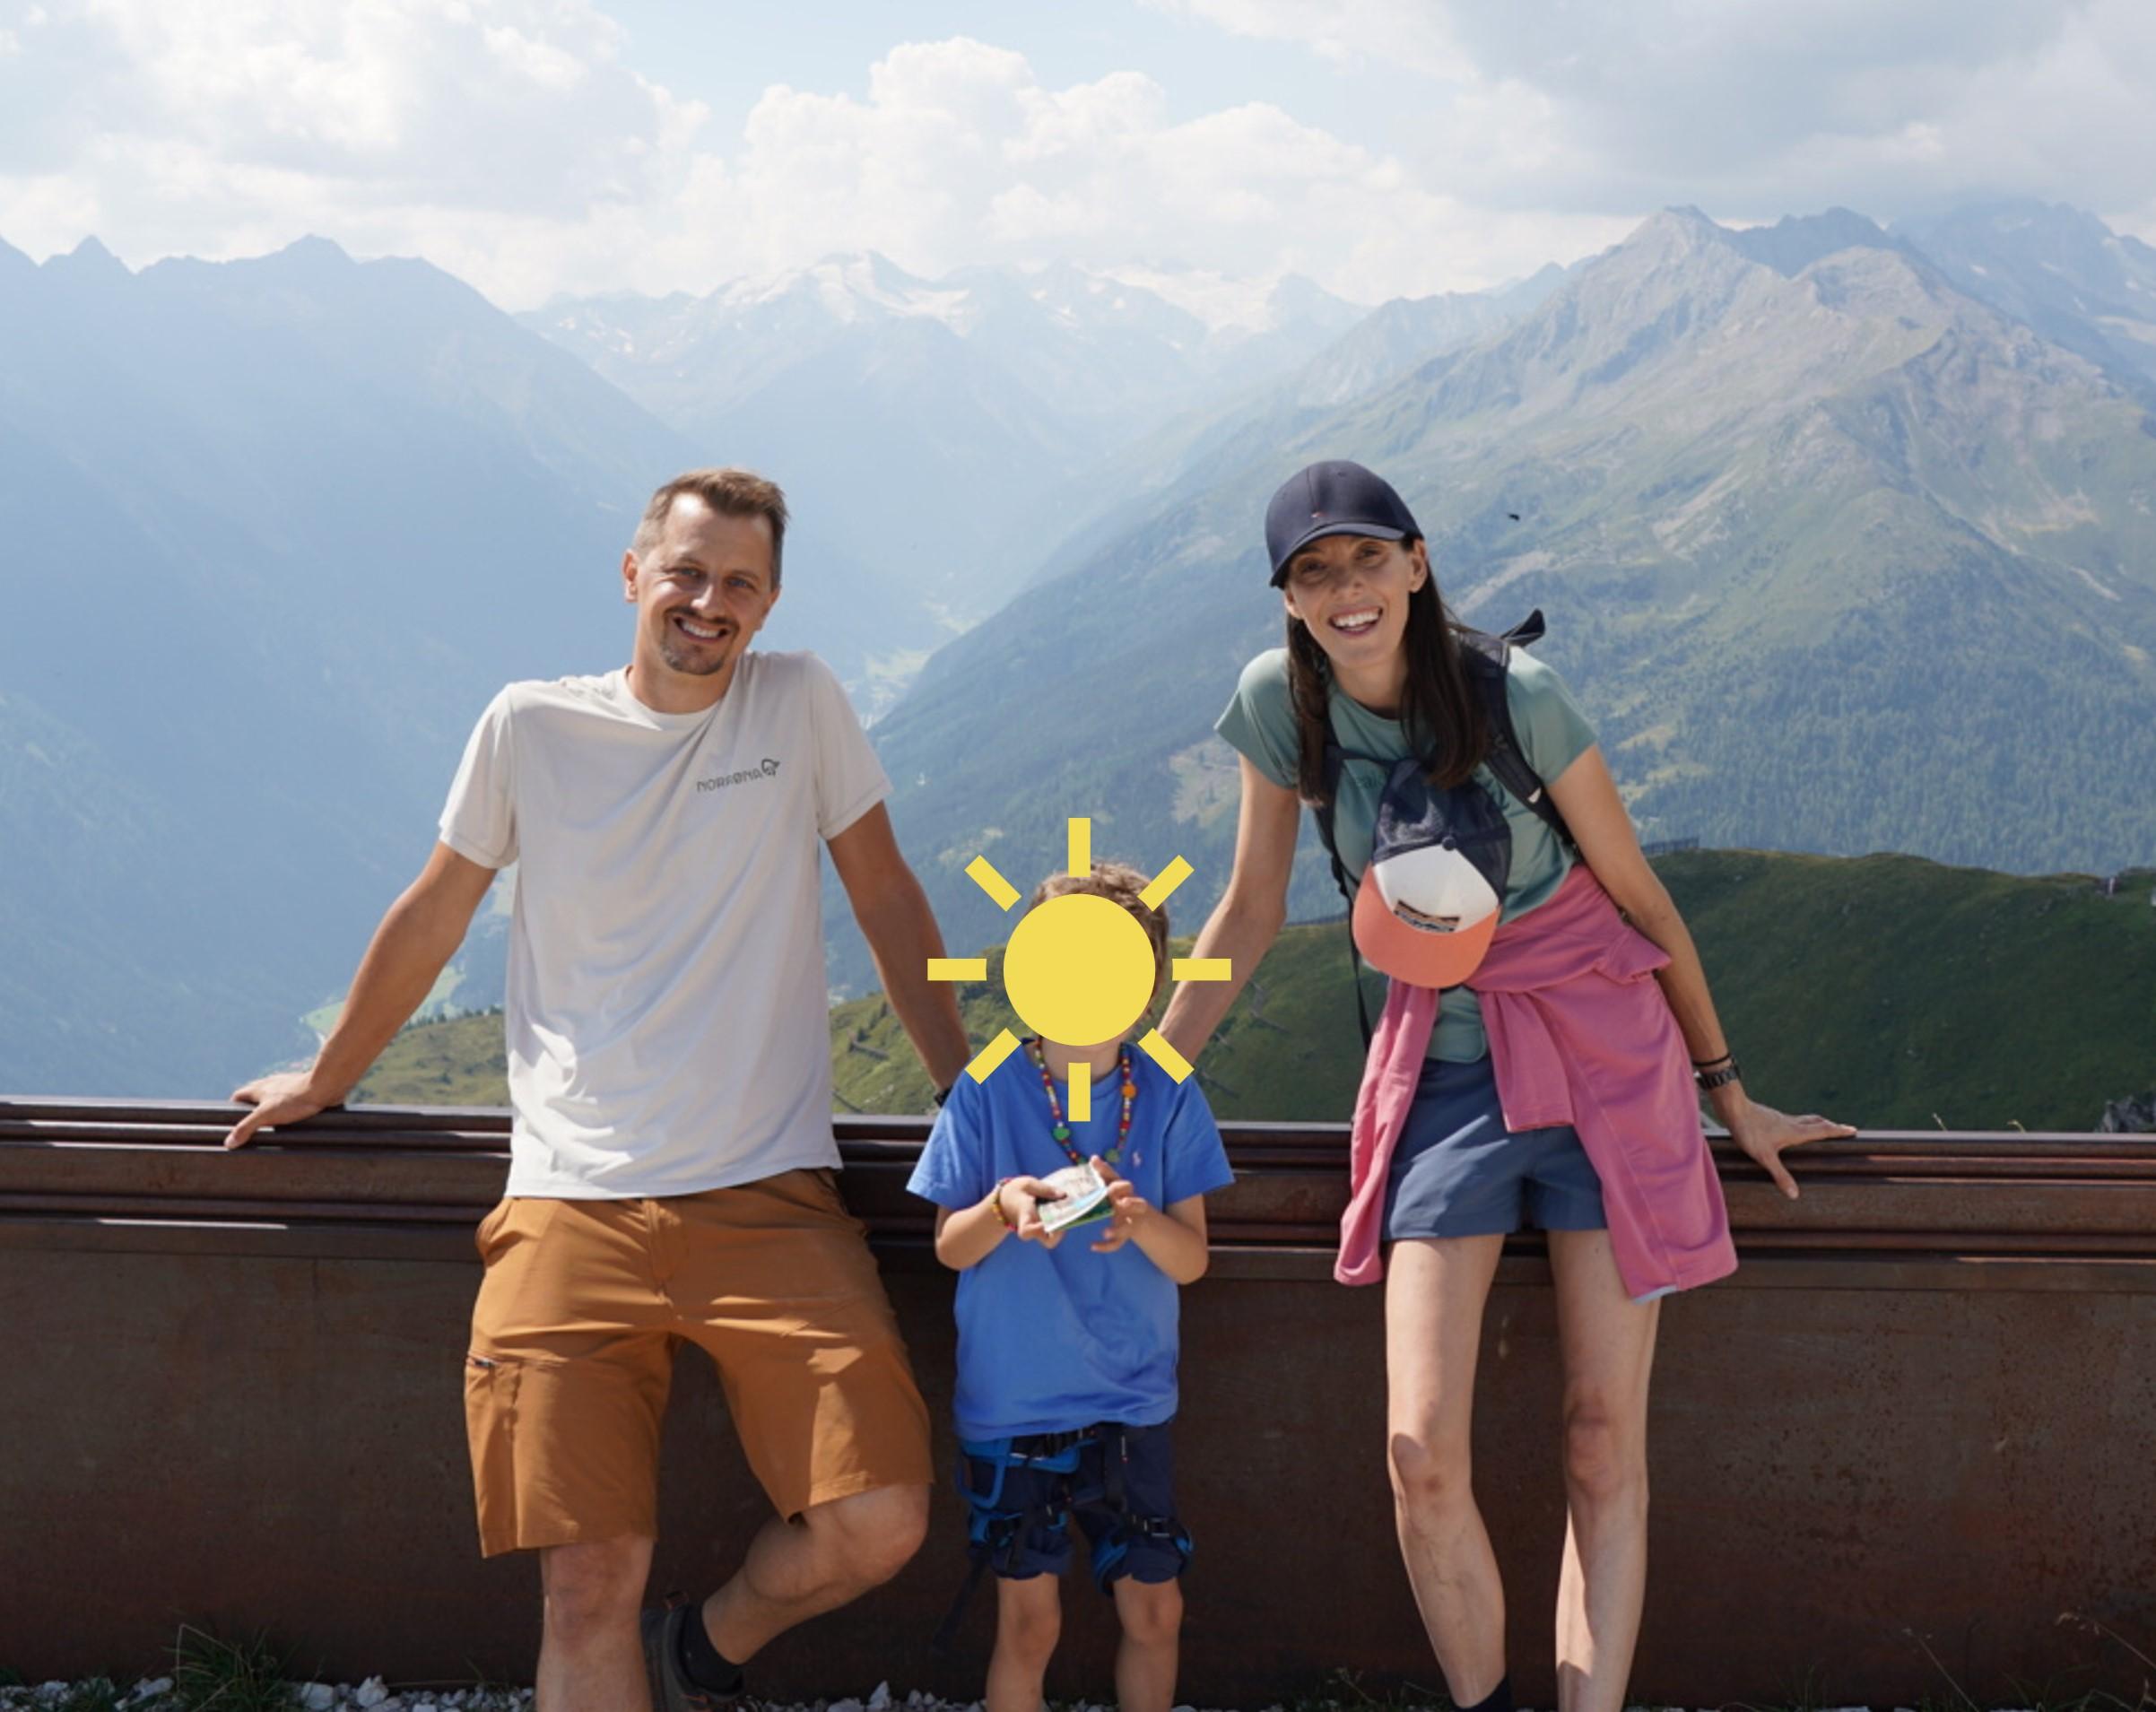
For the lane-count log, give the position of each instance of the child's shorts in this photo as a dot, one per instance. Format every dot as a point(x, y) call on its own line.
point(1459, 1172)
point(1116, 1482)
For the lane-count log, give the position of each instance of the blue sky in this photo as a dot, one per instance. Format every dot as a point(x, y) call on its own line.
point(1382, 147)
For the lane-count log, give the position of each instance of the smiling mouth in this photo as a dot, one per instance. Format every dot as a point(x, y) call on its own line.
point(697, 630)
point(1359, 622)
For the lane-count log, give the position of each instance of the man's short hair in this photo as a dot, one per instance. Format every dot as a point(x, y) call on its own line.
point(732, 493)
point(1119, 884)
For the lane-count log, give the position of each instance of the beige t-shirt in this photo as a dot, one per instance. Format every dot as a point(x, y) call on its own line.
point(666, 1007)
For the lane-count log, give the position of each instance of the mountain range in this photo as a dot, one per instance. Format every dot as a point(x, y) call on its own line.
point(272, 531)
point(937, 426)
point(1840, 557)
point(1844, 534)
point(2063, 271)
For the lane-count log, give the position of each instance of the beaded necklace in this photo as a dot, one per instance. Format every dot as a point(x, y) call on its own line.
point(1061, 1130)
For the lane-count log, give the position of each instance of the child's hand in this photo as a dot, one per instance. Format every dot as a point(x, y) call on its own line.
point(1019, 1201)
point(1128, 1209)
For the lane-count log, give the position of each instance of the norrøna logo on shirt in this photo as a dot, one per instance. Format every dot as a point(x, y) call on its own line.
point(767, 768)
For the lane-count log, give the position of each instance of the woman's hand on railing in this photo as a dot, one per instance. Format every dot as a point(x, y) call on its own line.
point(1766, 1135)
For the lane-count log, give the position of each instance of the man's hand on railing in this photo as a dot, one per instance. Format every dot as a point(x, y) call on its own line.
point(409, 949)
point(285, 1098)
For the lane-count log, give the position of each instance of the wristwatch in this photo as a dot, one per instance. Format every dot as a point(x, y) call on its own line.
point(1709, 1080)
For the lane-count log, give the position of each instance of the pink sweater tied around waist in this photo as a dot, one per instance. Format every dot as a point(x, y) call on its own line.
point(1580, 1034)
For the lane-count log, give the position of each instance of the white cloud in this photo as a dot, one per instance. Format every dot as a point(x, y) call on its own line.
point(212, 127)
point(507, 141)
point(959, 154)
point(1411, 33)
point(1755, 108)
point(512, 141)
point(547, 66)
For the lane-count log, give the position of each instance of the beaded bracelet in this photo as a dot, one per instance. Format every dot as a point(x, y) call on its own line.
point(995, 1197)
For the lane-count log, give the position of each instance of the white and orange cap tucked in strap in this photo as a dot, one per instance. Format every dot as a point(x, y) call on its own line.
point(1435, 886)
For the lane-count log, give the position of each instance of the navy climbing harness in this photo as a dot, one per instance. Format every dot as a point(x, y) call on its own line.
point(996, 1532)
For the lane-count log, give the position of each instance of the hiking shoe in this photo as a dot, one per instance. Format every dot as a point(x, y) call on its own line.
point(670, 1689)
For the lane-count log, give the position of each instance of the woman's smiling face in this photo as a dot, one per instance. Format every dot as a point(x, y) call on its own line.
point(1352, 592)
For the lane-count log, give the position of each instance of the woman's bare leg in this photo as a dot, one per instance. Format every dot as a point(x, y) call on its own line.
point(1434, 1293)
point(1608, 1345)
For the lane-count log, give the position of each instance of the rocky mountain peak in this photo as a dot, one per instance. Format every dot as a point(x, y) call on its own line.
point(88, 260)
point(1792, 243)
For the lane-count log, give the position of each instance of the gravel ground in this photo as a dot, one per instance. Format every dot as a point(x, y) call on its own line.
point(153, 1694)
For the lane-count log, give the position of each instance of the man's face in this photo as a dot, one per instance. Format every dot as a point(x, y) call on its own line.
point(701, 592)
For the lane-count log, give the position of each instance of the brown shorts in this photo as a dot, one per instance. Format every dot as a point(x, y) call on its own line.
point(572, 1352)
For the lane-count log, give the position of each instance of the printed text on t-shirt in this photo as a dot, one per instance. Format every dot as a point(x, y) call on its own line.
point(767, 769)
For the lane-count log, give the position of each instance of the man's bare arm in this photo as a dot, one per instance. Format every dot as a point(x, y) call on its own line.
point(416, 939)
point(902, 935)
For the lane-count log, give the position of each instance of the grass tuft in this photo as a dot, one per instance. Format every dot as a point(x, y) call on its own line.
point(212, 1674)
point(1807, 1694)
point(1345, 1690)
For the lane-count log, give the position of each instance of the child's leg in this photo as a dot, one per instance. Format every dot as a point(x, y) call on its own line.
point(1029, 1620)
point(1151, 1614)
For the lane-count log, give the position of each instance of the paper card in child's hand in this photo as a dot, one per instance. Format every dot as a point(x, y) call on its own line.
point(1084, 1198)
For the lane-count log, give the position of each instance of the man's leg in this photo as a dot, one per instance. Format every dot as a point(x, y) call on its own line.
point(1608, 1341)
point(831, 1554)
point(1434, 1291)
point(565, 1388)
point(776, 1284)
point(590, 1658)
point(774, 1281)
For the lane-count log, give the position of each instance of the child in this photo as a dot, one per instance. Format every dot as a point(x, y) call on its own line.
point(1067, 1340)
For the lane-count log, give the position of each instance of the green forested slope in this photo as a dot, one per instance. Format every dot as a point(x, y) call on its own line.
point(1888, 991)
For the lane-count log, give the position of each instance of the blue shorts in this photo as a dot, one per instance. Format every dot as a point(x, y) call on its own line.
point(1459, 1172)
point(1129, 1521)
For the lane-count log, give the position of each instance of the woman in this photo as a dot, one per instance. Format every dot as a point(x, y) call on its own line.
point(1376, 664)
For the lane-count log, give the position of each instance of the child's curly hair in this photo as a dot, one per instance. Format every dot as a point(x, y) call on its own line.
point(1119, 884)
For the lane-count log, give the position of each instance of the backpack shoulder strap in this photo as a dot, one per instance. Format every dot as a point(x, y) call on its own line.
point(1485, 656)
point(1335, 759)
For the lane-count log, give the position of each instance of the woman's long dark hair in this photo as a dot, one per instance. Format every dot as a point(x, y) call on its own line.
point(1438, 708)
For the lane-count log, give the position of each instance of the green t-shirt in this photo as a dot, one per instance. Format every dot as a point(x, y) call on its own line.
point(1553, 733)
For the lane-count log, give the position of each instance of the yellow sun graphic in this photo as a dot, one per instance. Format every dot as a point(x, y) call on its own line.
point(1079, 969)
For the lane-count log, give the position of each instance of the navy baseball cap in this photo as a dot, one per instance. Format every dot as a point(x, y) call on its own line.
point(1332, 498)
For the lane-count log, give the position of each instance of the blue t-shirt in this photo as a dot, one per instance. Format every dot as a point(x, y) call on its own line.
point(1054, 1340)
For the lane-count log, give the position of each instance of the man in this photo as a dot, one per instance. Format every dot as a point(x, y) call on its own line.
point(669, 1067)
